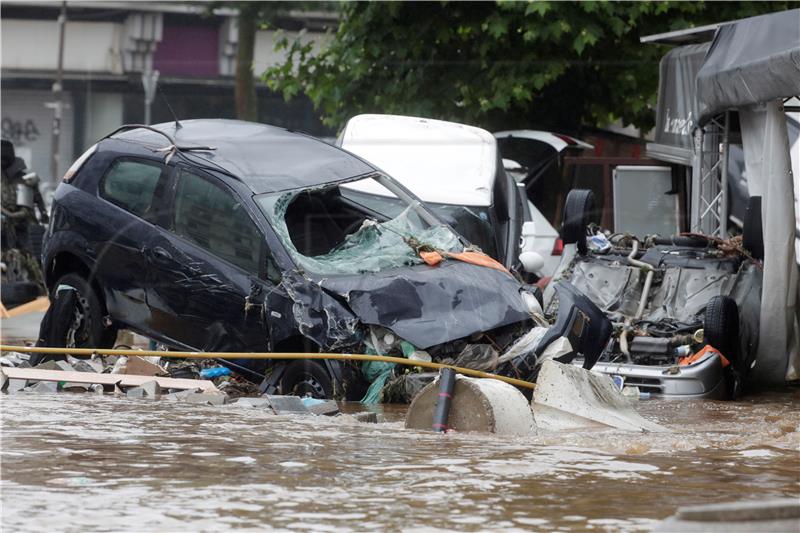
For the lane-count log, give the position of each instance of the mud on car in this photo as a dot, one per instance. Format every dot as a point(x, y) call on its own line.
point(221, 235)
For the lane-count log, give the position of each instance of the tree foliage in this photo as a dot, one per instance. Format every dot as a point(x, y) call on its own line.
point(497, 64)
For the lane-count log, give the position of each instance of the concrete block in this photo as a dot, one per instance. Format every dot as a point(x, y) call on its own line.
point(75, 387)
point(85, 365)
point(150, 389)
point(43, 387)
point(55, 365)
point(15, 359)
point(139, 366)
point(206, 398)
point(16, 385)
point(777, 515)
point(481, 405)
point(180, 395)
point(287, 405)
point(569, 397)
point(321, 407)
point(257, 403)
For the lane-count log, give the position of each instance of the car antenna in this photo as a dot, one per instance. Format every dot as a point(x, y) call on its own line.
point(178, 124)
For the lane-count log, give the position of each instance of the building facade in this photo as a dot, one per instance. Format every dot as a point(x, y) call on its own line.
point(109, 47)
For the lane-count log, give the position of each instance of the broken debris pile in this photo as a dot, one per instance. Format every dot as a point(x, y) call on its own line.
point(143, 377)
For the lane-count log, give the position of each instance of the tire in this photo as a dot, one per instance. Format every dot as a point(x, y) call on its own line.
point(752, 229)
point(19, 292)
point(90, 332)
point(305, 377)
point(577, 209)
point(721, 327)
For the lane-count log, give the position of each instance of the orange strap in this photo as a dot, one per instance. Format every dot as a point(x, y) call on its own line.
point(477, 258)
point(689, 359)
point(431, 258)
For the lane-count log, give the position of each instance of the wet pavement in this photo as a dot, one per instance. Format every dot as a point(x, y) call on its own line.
point(79, 462)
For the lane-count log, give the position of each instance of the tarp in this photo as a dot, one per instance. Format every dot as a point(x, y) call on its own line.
point(750, 61)
point(766, 151)
point(676, 113)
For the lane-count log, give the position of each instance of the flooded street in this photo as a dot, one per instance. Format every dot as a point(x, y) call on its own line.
point(84, 463)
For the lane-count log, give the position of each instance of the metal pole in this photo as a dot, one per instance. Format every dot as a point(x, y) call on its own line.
point(723, 179)
point(697, 173)
point(58, 93)
point(447, 383)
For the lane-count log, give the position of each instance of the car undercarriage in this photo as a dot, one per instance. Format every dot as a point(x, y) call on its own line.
point(667, 298)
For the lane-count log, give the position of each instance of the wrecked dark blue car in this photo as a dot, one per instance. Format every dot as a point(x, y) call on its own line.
point(221, 235)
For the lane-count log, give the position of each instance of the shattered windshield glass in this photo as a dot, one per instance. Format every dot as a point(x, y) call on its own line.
point(327, 232)
point(471, 222)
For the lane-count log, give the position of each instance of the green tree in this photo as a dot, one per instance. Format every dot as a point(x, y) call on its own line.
point(496, 64)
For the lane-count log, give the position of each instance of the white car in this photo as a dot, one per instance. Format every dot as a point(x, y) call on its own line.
point(456, 170)
point(532, 158)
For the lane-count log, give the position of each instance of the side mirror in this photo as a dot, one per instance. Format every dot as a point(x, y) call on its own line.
point(531, 261)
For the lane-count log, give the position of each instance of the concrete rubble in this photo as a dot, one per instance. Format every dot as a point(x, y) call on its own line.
point(566, 397)
point(770, 515)
point(150, 389)
point(134, 377)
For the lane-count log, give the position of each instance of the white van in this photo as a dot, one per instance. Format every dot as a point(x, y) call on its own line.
point(457, 171)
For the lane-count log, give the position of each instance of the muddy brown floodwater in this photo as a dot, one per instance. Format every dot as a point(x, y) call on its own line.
point(78, 462)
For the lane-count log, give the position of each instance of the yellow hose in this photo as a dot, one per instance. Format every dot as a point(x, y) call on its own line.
point(250, 355)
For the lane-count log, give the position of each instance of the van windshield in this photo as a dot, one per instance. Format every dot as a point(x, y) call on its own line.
point(327, 231)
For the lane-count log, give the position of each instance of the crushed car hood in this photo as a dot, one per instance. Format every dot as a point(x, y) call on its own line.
point(427, 305)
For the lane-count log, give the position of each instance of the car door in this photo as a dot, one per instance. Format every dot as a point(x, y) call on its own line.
point(207, 268)
point(130, 191)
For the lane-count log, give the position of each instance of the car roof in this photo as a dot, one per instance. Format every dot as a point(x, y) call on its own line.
point(265, 158)
point(440, 162)
point(558, 141)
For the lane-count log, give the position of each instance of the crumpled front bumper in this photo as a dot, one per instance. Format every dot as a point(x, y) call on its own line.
point(703, 379)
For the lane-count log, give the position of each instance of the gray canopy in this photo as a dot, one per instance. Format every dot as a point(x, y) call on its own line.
point(676, 113)
point(750, 61)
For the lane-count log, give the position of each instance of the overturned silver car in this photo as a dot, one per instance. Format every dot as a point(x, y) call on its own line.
point(685, 309)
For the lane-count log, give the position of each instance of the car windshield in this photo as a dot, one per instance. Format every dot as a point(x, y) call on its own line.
point(471, 222)
point(328, 231)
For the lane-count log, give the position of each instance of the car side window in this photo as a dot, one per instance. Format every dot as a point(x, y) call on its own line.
point(132, 185)
point(210, 216)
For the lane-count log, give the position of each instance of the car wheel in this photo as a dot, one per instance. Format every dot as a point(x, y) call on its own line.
point(721, 327)
point(85, 329)
point(306, 377)
point(577, 209)
point(752, 230)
